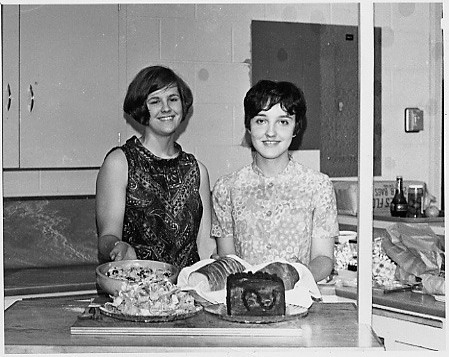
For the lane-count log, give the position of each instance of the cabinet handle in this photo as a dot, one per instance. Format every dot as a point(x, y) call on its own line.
point(8, 106)
point(31, 105)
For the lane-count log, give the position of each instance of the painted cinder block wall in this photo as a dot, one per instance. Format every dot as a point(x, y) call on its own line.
point(210, 46)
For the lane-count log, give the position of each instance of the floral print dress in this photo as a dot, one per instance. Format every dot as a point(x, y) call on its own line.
point(274, 218)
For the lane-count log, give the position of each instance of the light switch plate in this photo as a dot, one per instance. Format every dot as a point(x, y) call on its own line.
point(414, 120)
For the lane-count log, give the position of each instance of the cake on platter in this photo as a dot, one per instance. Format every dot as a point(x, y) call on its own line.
point(255, 294)
point(208, 278)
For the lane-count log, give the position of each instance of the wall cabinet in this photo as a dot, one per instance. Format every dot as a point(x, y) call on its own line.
point(10, 73)
point(61, 85)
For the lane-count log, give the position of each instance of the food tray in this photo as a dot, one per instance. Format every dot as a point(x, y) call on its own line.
point(109, 310)
point(292, 312)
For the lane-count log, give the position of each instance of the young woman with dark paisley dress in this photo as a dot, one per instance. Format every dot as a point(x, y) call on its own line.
point(153, 199)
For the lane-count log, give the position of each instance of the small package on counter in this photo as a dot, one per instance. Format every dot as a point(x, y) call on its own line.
point(345, 264)
point(432, 284)
point(418, 252)
point(346, 193)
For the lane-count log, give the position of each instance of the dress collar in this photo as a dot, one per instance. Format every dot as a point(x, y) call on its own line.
point(259, 172)
point(155, 157)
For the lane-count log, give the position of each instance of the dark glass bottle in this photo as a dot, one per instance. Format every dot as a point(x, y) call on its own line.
point(398, 206)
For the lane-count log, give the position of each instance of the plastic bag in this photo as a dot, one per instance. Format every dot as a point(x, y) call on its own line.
point(432, 284)
point(415, 248)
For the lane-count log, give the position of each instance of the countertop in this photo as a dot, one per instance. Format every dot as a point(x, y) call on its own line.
point(383, 222)
point(56, 279)
point(401, 302)
point(44, 326)
point(406, 301)
point(73, 279)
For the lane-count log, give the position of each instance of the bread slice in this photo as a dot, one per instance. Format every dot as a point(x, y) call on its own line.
point(285, 271)
point(212, 277)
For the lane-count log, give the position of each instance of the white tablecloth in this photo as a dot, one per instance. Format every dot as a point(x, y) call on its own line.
point(303, 293)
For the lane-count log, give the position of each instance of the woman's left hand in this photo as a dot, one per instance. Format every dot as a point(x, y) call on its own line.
point(123, 251)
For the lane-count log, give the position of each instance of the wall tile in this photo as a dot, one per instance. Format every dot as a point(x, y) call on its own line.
point(383, 14)
point(178, 40)
point(186, 70)
point(309, 158)
point(290, 12)
point(60, 183)
point(418, 95)
point(210, 123)
point(20, 183)
point(410, 17)
point(221, 160)
point(142, 44)
point(222, 83)
point(406, 51)
point(49, 182)
point(230, 12)
point(241, 41)
point(238, 124)
point(161, 10)
point(345, 14)
point(410, 153)
point(185, 40)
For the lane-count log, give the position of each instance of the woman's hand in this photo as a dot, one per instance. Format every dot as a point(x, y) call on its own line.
point(123, 251)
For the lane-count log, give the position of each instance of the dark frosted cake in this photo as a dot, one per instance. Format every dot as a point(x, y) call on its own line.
point(255, 294)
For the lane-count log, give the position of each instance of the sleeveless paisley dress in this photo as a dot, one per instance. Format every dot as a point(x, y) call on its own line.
point(163, 205)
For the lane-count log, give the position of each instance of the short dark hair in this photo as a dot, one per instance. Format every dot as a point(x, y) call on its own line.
point(149, 80)
point(265, 93)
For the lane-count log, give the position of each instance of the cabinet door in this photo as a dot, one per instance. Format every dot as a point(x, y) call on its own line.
point(69, 104)
point(10, 73)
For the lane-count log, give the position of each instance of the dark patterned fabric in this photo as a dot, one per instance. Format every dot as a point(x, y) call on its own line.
point(163, 205)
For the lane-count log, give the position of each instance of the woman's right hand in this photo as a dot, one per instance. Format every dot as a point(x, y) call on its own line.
point(123, 251)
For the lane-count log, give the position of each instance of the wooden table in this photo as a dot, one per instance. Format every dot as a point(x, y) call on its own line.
point(44, 326)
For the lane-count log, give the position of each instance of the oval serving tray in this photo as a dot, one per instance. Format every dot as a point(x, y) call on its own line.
point(292, 312)
point(111, 311)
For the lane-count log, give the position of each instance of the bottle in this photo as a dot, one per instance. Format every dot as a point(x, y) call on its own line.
point(415, 201)
point(398, 206)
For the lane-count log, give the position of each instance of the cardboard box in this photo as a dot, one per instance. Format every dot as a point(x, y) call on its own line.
point(383, 192)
